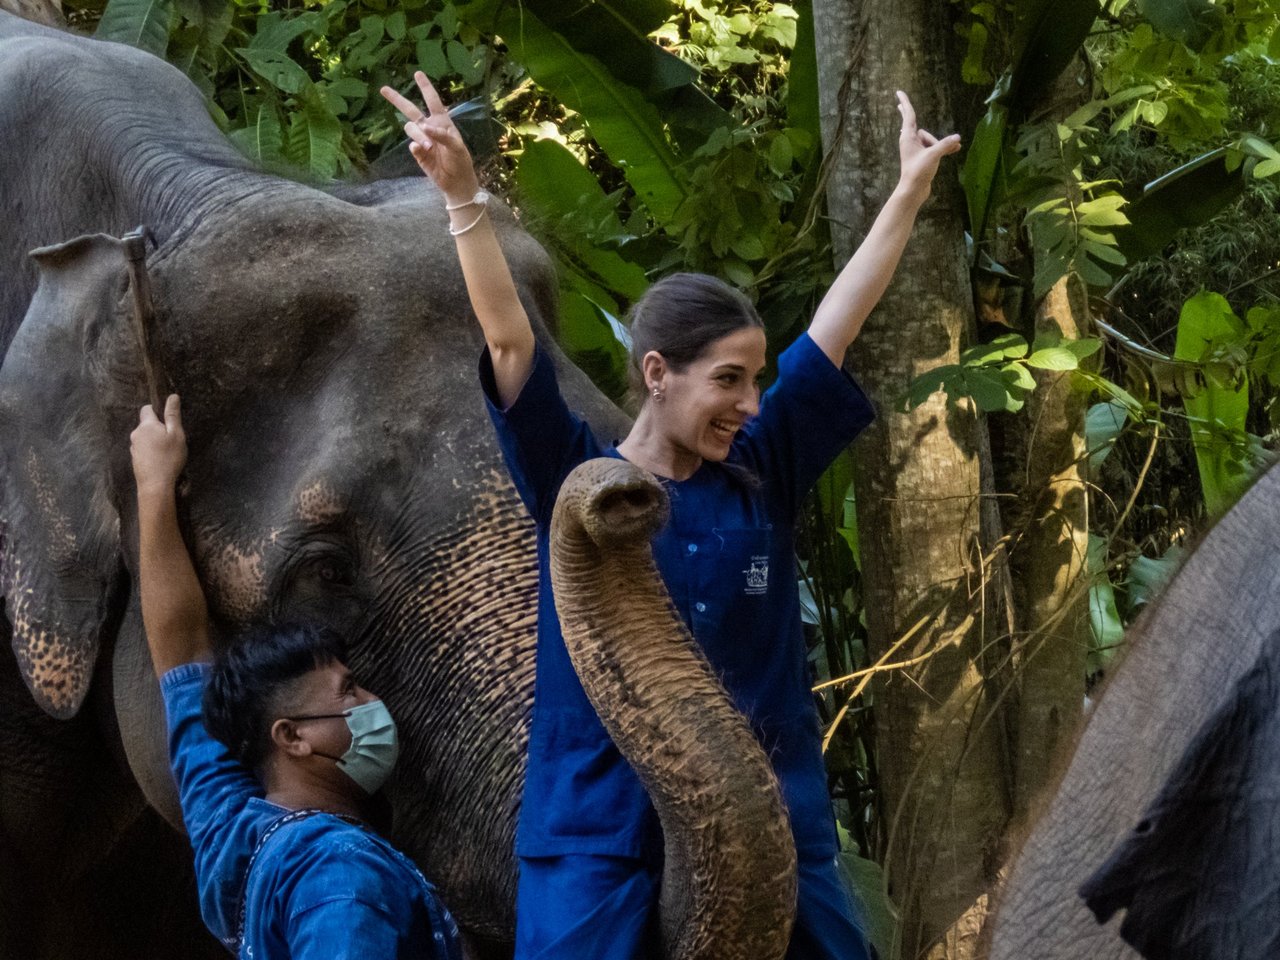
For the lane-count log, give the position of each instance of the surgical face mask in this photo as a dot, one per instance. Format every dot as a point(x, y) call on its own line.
point(374, 746)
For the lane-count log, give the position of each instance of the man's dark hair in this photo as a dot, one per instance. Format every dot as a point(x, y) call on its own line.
point(251, 678)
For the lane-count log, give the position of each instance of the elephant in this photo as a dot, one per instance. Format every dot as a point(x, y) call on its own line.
point(340, 471)
point(1165, 805)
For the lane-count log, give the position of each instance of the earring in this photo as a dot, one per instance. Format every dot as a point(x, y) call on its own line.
point(657, 394)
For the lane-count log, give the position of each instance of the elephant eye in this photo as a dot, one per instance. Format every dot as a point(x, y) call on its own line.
point(334, 571)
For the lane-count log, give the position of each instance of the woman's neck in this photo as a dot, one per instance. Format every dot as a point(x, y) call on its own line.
point(649, 447)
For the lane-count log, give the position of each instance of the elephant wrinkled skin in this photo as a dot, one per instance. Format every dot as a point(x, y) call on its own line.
point(730, 860)
point(1216, 624)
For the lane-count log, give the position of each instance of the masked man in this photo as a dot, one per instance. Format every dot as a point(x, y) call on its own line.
point(276, 751)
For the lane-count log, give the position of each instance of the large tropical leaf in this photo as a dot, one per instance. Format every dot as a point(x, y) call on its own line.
point(1047, 35)
point(802, 79)
point(981, 173)
point(1191, 195)
point(627, 127)
point(1217, 412)
point(1190, 21)
point(615, 32)
point(139, 23)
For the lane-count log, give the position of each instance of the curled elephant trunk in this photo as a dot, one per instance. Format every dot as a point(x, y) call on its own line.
point(729, 882)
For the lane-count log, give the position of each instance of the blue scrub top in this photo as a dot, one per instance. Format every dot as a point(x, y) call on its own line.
point(322, 887)
point(727, 556)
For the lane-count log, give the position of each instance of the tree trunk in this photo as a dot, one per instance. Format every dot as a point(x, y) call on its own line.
point(945, 791)
point(1052, 579)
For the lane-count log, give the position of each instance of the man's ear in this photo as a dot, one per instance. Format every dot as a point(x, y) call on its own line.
point(284, 734)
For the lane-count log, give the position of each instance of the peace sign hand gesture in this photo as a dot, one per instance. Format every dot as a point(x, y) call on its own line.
point(436, 143)
point(920, 151)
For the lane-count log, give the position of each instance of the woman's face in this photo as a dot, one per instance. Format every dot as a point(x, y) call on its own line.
point(705, 405)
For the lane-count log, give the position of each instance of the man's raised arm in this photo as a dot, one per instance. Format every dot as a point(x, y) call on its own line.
point(173, 607)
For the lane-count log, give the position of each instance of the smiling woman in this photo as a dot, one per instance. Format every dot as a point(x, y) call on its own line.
point(697, 354)
point(736, 467)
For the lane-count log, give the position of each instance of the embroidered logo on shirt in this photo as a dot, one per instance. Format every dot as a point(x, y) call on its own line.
point(757, 576)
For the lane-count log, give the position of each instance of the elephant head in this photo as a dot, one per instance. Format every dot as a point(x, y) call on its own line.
point(341, 470)
point(729, 878)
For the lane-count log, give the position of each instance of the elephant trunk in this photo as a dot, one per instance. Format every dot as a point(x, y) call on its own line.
point(729, 880)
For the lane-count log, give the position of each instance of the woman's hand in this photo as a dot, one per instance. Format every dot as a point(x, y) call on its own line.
point(920, 152)
point(436, 143)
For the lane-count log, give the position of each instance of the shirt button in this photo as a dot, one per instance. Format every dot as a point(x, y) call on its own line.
point(693, 548)
point(700, 607)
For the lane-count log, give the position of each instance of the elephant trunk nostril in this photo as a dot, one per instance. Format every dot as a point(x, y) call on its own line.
point(622, 504)
point(627, 513)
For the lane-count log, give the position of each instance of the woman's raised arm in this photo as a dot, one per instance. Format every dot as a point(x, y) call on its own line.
point(440, 152)
point(866, 276)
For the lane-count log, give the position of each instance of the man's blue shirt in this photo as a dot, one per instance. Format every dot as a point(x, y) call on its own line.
point(321, 887)
point(727, 559)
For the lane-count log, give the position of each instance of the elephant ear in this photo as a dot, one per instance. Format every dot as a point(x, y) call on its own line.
point(60, 559)
point(1200, 874)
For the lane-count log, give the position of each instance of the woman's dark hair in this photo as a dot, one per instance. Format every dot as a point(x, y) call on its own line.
point(249, 677)
point(680, 316)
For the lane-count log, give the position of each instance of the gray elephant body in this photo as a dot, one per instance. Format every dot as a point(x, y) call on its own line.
point(340, 468)
point(1187, 655)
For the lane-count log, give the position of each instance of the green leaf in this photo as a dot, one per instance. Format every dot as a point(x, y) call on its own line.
point(1102, 426)
point(431, 58)
point(1007, 346)
point(1207, 318)
point(866, 880)
point(626, 126)
point(1047, 34)
point(276, 68)
point(1104, 616)
point(1103, 252)
point(1187, 196)
point(1148, 576)
point(988, 389)
point(1190, 21)
point(464, 62)
point(780, 155)
point(981, 171)
point(262, 141)
point(802, 85)
point(314, 139)
point(1053, 358)
point(555, 185)
point(748, 246)
point(396, 25)
point(140, 23)
point(273, 31)
point(1266, 168)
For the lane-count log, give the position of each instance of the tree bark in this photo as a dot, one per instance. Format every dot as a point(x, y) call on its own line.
point(1052, 579)
point(945, 786)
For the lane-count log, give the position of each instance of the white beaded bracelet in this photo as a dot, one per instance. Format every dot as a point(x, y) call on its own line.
point(461, 230)
point(480, 199)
